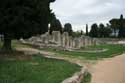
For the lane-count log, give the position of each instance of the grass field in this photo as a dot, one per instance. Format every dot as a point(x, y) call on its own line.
point(15, 44)
point(113, 50)
point(37, 69)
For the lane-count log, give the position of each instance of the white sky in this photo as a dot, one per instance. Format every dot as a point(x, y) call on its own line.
point(82, 12)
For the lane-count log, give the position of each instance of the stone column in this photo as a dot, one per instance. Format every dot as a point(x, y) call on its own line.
point(56, 37)
point(65, 38)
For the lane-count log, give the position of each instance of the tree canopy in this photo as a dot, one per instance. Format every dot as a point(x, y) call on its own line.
point(94, 30)
point(23, 18)
point(118, 24)
point(68, 28)
point(55, 24)
point(101, 30)
point(87, 32)
point(104, 31)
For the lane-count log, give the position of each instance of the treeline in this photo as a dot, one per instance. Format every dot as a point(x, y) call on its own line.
point(116, 28)
point(55, 25)
point(118, 25)
point(100, 30)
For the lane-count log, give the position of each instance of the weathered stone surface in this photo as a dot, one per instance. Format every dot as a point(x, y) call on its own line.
point(77, 77)
point(62, 41)
point(65, 40)
point(56, 37)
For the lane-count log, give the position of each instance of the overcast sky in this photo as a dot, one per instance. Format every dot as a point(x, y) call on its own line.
point(82, 12)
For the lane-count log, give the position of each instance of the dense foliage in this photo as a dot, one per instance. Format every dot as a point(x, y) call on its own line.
point(23, 18)
point(87, 32)
point(94, 30)
point(118, 24)
point(68, 28)
point(100, 31)
point(55, 24)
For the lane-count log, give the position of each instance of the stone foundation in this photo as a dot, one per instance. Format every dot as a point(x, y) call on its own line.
point(62, 40)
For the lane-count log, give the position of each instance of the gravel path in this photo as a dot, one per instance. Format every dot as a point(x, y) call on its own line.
point(110, 70)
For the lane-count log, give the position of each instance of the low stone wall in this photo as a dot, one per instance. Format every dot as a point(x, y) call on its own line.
point(77, 77)
point(112, 40)
point(62, 40)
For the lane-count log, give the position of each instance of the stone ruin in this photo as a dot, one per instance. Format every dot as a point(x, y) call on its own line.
point(58, 40)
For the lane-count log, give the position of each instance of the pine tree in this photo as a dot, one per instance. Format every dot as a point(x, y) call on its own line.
point(87, 33)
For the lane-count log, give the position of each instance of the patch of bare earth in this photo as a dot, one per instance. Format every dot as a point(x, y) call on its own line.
point(110, 70)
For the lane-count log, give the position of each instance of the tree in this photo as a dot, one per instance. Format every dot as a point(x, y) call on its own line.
point(114, 25)
point(68, 28)
point(82, 33)
point(77, 33)
point(94, 30)
point(87, 33)
point(118, 24)
point(55, 24)
point(104, 31)
point(23, 18)
point(101, 31)
point(121, 27)
point(108, 30)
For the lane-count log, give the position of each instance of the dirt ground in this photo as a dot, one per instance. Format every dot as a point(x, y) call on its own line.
point(110, 70)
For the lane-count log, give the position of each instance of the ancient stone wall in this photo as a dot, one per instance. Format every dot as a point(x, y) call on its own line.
point(62, 40)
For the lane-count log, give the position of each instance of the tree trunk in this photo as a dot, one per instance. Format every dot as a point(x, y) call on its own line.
point(115, 33)
point(7, 43)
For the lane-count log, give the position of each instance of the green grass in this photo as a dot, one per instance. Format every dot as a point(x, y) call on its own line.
point(16, 43)
point(87, 78)
point(113, 50)
point(37, 69)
